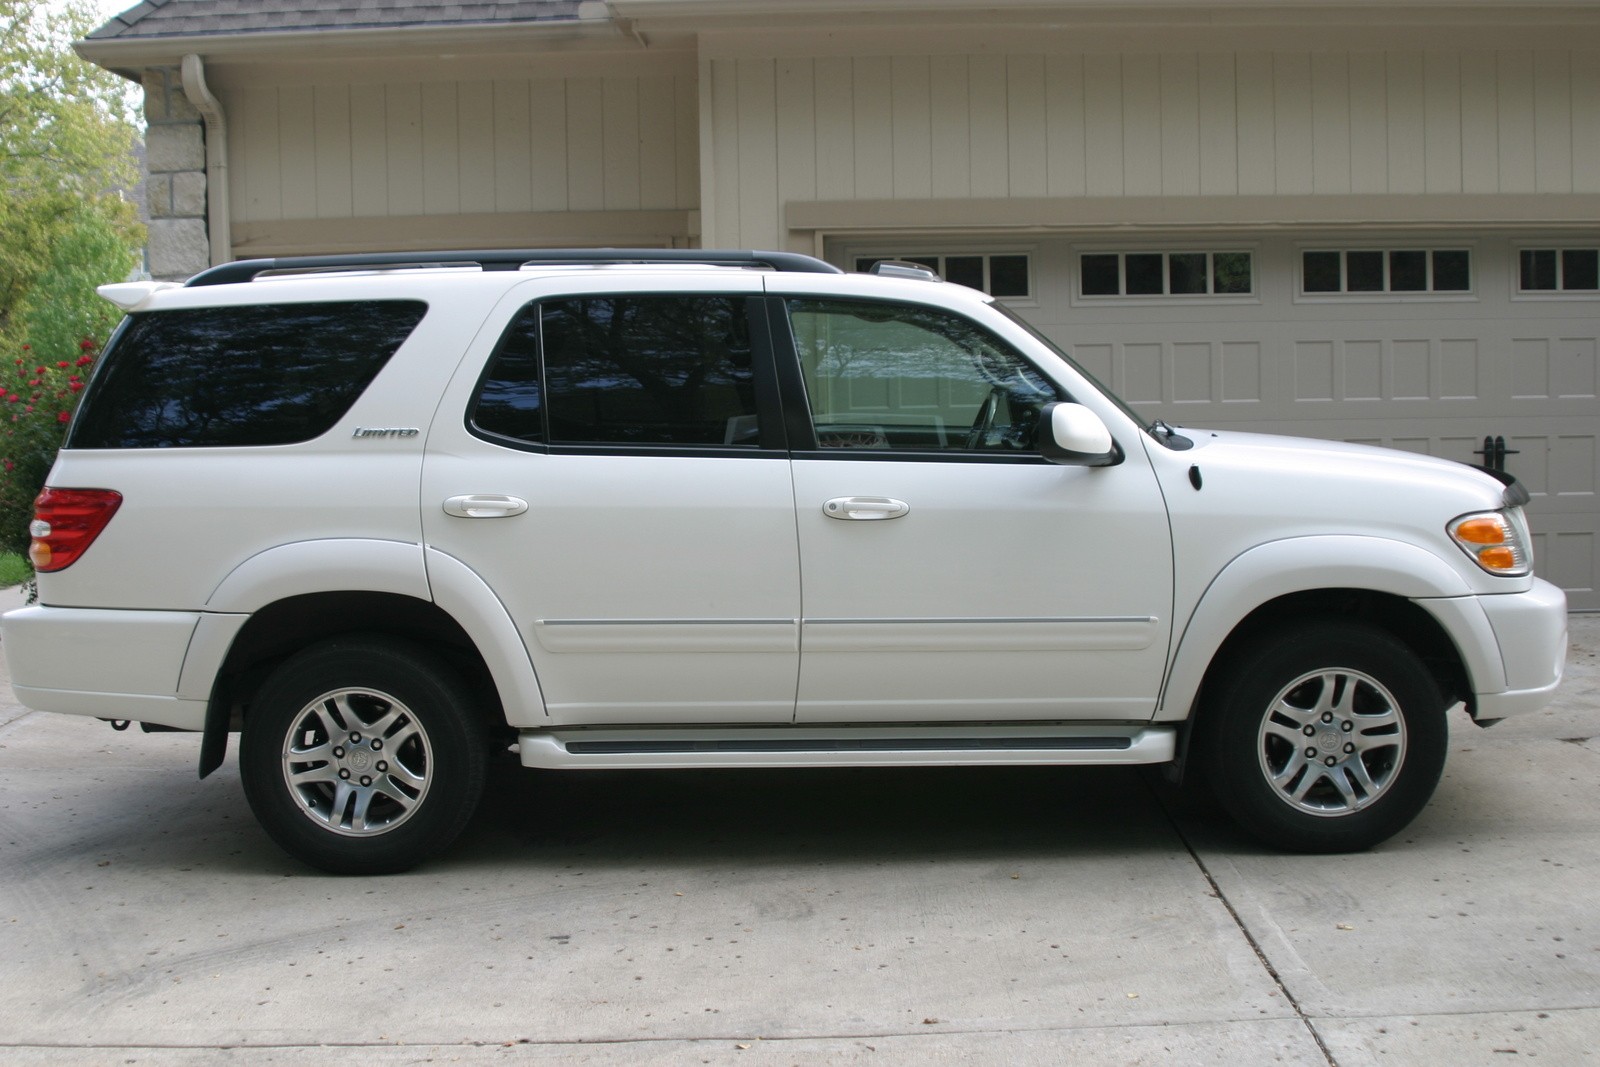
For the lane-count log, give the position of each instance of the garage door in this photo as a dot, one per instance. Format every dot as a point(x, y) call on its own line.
point(1429, 345)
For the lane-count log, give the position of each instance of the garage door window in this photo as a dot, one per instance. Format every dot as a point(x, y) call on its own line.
point(1166, 274)
point(1006, 275)
point(1559, 270)
point(1385, 270)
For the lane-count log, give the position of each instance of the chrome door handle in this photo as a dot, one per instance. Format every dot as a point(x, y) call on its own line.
point(865, 507)
point(485, 506)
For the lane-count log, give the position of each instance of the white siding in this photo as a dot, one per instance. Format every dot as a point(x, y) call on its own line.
point(1133, 124)
point(507, 145)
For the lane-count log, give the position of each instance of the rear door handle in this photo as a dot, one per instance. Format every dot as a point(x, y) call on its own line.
point(866, 508)
point(485, 506)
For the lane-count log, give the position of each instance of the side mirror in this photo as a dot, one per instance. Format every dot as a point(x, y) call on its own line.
point(1076, 437)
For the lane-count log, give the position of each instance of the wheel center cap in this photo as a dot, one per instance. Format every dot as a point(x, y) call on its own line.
point(1329, 741)
point(360, 760)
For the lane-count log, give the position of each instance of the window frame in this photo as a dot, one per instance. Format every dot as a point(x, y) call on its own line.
point(770, 413)
point(1428, 246)
point(1078, 298)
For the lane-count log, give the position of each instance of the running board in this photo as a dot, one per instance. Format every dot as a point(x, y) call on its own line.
point(631, 747)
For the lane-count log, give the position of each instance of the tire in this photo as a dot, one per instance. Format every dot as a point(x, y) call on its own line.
point(1325, 737)
point(363, 755)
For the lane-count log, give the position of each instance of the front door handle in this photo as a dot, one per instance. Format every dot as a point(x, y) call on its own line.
point(865, 508)
point(485, 506)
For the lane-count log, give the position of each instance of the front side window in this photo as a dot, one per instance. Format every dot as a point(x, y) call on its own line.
point(903, 376)
point(1165, 274)
point(623, 370)
point(270, 374)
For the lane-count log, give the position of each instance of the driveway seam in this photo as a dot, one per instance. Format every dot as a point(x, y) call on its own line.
point(1255, 946)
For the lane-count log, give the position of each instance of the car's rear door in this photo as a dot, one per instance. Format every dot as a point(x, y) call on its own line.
point(618, 477)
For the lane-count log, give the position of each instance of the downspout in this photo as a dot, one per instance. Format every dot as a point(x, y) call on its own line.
point(218, 223)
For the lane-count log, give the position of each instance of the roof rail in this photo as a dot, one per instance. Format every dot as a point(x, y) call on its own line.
point(245, 270)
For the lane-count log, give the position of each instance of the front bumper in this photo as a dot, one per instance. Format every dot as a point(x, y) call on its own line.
point(1531, 631)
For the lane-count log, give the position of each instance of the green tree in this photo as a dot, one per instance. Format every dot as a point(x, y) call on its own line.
point(67, 138)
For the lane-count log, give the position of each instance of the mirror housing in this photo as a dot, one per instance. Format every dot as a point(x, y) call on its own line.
point(1072, 435)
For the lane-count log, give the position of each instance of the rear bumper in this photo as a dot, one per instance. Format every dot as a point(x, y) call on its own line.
point(102, 663)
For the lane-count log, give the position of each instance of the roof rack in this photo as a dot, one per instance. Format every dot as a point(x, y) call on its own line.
point(245, 270)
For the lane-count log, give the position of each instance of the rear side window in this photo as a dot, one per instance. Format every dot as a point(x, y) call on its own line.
point(624, 370)
point(239, 376)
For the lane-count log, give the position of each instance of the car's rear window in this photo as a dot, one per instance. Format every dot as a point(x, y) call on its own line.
point(273, 374)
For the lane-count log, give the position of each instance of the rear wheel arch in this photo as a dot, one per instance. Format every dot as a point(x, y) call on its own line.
point(284, 628)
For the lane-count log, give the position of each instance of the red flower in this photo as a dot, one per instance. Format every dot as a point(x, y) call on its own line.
point(87, 345)
point(63, 417)
point(38, 370)
point(75, 386)
point(63, 363)
point(10, 466)
point(27, 348)
point(83, 361)
point(13, 398)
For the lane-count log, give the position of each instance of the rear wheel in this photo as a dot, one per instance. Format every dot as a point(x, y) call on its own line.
point(1326, 737)
point(363, 755)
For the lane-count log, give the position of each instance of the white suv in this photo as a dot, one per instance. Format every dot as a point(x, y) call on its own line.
point(387, 514)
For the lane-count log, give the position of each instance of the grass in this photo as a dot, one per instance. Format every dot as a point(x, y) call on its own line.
point(14, 570)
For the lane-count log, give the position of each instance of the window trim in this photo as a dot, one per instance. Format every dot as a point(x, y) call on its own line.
point(1077, 297)
point(1428, 245)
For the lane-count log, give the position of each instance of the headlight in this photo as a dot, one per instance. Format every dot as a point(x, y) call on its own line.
point(1494, 541)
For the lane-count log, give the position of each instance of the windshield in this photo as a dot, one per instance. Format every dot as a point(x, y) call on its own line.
point(1122, 405)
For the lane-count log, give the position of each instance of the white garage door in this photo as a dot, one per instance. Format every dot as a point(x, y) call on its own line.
point(1429, 345)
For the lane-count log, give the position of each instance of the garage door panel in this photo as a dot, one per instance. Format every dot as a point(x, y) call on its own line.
point(1432, 373)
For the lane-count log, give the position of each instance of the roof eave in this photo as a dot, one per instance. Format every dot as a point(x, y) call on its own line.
point(125, 54)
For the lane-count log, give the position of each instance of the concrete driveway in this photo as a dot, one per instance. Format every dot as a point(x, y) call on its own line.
point(863, 916)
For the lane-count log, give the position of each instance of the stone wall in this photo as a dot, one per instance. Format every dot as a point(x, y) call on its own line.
point(175, 144)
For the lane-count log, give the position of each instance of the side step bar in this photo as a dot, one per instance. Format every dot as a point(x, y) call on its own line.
point(633, 747)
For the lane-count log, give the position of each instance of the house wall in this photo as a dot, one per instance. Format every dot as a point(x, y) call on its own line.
point(498, 160)
point(1306, 126)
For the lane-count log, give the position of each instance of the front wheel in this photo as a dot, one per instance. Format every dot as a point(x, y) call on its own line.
point(362, 755)
point(1328, 737)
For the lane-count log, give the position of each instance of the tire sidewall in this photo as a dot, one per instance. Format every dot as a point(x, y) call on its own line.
point(1236, 705)
point(432, 694)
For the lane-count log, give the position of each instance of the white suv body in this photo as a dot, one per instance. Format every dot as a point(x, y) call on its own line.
point(627, 511)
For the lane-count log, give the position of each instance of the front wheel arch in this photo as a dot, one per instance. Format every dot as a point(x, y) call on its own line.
point(1322, 736)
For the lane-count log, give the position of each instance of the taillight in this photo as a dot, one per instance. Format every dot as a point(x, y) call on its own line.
point(66, 522)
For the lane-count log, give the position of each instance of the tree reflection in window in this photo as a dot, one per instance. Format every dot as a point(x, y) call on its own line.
point(884, 375)
point(251, 375)
point(630, 370)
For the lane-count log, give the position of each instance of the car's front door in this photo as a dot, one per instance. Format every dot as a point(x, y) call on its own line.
point(620, 482)
point(949, 573)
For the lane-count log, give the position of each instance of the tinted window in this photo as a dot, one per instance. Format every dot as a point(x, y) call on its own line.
point(632, 370)
point(239, 376)
point(901, 376)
